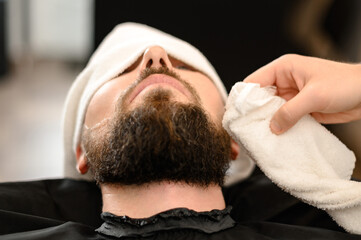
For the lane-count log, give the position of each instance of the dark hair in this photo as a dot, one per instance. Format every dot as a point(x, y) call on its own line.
point(161, 140)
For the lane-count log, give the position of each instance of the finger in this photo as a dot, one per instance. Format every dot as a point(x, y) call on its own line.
point(343, 117)
point(292, 111)
point(265, 76)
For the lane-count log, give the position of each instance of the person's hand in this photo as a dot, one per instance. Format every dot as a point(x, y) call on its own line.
point(330, 91)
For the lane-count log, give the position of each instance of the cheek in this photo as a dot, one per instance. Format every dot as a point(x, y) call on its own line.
point(102, 104)
point(212, 102)
point(210, 97)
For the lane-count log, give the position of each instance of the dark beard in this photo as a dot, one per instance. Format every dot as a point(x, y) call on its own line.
point(161, 140)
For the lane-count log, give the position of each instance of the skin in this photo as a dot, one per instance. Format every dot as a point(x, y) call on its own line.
point(102, 104)
point(330, 91)
point(145, 201)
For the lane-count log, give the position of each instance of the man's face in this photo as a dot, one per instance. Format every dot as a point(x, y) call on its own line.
point(158, 121)
point(104, 101)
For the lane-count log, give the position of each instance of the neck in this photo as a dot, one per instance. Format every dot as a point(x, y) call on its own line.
point(150, 199)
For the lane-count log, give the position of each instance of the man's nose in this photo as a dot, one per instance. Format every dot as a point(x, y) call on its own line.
point(155, 57)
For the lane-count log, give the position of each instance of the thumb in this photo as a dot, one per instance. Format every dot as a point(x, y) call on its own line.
point(290, 112)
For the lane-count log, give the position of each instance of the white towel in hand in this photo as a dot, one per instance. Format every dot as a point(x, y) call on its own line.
point(307, 161)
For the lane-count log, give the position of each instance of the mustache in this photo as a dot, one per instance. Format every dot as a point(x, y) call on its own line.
point(149, 71)
point(161, 70)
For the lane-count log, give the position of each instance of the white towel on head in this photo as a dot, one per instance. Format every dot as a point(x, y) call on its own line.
point(121, 48)
point(307, 161)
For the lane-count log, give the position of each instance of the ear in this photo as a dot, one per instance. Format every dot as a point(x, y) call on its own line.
point(234, 149)
point(81, 160)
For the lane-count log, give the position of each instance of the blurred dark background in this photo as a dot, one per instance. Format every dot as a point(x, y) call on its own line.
point(240, 36)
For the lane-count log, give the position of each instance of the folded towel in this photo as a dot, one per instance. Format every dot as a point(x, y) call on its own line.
point(307, 161)
point(119, 50)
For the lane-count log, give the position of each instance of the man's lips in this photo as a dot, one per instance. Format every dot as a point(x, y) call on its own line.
point(159, 79)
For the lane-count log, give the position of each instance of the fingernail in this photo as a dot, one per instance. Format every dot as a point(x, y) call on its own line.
point(275, 126)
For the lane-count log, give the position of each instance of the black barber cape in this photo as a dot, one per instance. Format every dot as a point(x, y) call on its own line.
point(71, 209)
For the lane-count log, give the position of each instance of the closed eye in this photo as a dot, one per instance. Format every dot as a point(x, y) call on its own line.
point(183, 67)
point(180, 65)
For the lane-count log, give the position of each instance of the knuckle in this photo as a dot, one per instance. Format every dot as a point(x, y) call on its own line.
point(289, 57)
point(286, 116)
